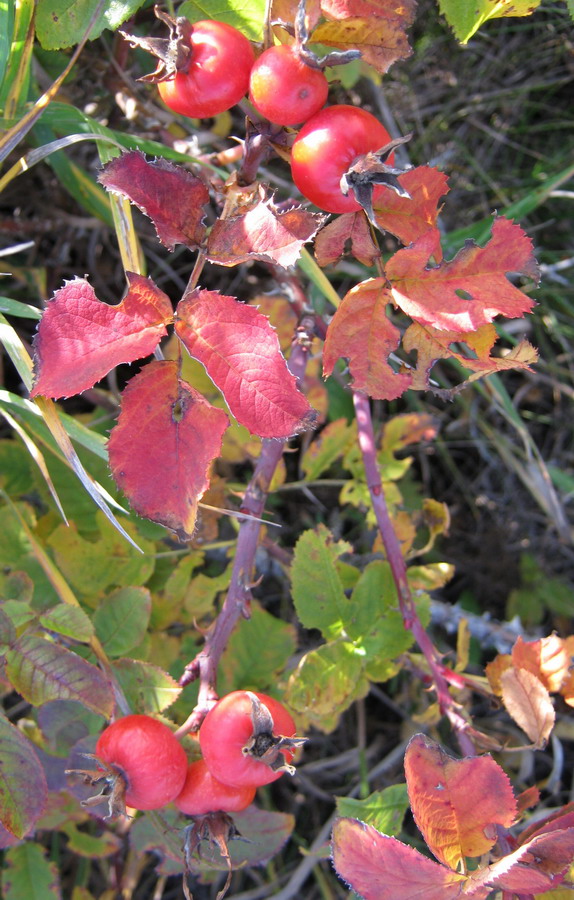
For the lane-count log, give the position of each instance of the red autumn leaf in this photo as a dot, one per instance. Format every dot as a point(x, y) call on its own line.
point(241, 354)
point(385, 9)
point(559, 820)
point(80, 338)
point(432, 345)
point(349, 229)
point(535, 867)
point(160, 450)
point(379, 867)
point(529, 704)
point(471, 289)
point(408, 219)
point(381, 41)
point(263, 232)
point(362, 332)
point(548, 659)
point(172, 197)
point(456, 803)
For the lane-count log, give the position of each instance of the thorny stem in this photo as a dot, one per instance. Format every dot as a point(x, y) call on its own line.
point(441, 675)
point(238, 599)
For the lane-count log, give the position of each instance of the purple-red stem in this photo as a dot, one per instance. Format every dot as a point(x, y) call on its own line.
point(238, 598)
point(441, 675)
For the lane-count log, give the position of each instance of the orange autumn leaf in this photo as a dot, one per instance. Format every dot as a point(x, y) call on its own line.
point(469, 291)
point(529, 704)
point(547, 659)
point(361, 331)
point(381, 41)
point(494, 669)
point(456, 803)
point(410, 217)
point(432, 344)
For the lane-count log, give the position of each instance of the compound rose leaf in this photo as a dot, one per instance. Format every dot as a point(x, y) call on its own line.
point(381, 41)
point(469, 290)
point(379, 867)
point(362, 332)
point(409, 218)
point(241, 354)
point(263, 232)
point(160, 450)
point(432, 344)
point(529, 704)
point(172, 197)
point(456, 803)
point(80, 338)
point(349, 230)
point(547, 658)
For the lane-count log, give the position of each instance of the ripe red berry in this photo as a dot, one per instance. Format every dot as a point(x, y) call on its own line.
point(240, 739)
point(148, 756)
point(326, 147)
point(284, 89)
point(202, 793)
point(217, 76)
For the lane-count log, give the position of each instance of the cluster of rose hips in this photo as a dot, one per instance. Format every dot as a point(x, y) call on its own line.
point(208, 67)
point(247, 740)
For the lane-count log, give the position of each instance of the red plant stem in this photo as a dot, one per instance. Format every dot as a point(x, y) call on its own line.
point(441, 675)
point(238, 598)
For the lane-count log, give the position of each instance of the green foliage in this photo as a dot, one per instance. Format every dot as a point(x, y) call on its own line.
point(60, 23)
point(29, 874)
point(245, 15)
point(384, 810)
point(465, 17)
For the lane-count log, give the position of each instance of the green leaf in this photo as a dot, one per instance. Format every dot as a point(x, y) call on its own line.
point(257, 650)
point(61, 23)
point(317, 589)
point(122, 619)
point(148, 688)
point(373, 596)
point(14, 307)
point(92, 567)
point(42, 671)
point(245, 15)
point(27, 873)
point(7, 630)
point(23, 788)
point(88, 845)
point(384, 810)
point(331, 443)
point(15, 468)
point(16, 554)
point(16, 586)
point(326, 682)
point(465, 17)
point(202, 591)
point(70, 621)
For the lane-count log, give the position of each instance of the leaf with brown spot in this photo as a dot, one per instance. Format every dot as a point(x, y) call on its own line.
point(494, 670)
point(166, 437)
point(456, 803)
point(529, 704)
point(172, 197)
point(381, 41)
